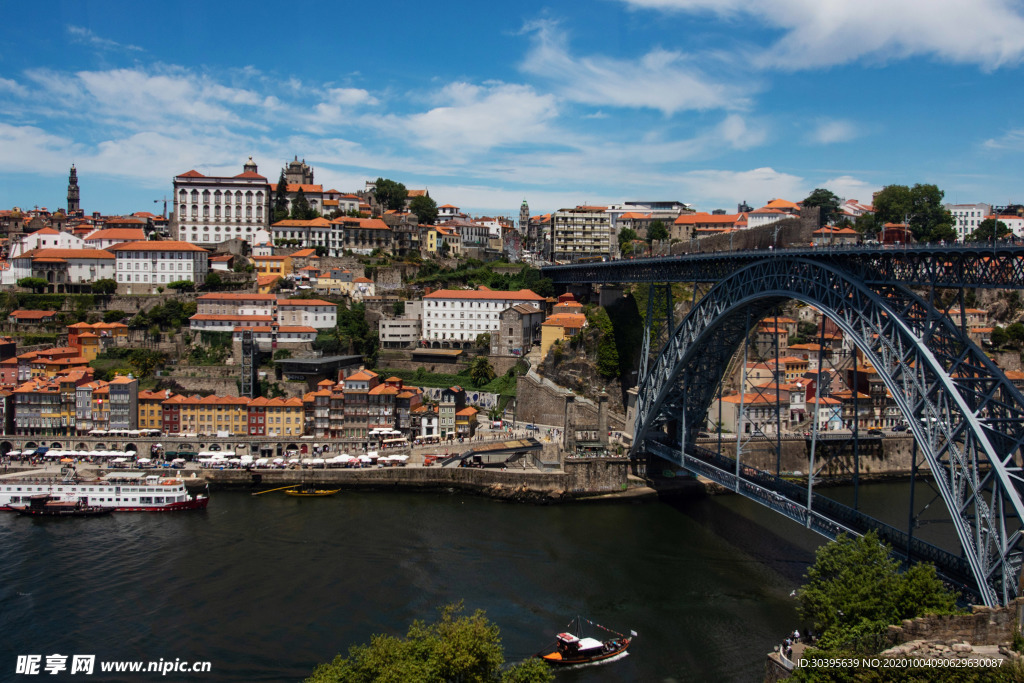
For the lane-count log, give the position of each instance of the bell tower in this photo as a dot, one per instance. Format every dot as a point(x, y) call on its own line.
point(73, 192)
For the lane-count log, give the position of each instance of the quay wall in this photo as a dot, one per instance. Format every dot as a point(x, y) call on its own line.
point(891, 456)
point(540, 400)
point(581, 478)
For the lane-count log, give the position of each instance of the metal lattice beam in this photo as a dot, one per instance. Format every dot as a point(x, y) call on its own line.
point(967, 418)
point(985, 266)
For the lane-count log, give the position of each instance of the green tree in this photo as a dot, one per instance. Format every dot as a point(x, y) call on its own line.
point(301, 211)
point(626, 237)
point(104, 286)
point(36, 284)
point(114, 316)
point(214, 280)
point(867, 224)
point(854, 590)
point(455, 648)
point(181, 285)
point(425, 209)
point(657, 231)
point(607, 351)
point(827, 203)
point(998, 337)
point(481, 371)
point(989, 229)
point(281, 199)
point(483, 340)
point(390, 194)
point(921, 206)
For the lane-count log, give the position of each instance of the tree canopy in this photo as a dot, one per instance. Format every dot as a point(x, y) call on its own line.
point(989, 229)
point(481, 370)
point(854, 589)
point(626, 237)
point(826, 201)
point(657, 231)
point(455, 648)
point(301, 210)
point(425, 209)
point(920, 206)
point(390, 194)
point(280, 209)
point(104, 286)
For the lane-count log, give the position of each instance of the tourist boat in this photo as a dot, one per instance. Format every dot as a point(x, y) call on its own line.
point(117, 492)
point(571, 649)
point(311, 492)
point(44, 505)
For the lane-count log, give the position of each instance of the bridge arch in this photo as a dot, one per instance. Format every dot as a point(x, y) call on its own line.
point(972, 413)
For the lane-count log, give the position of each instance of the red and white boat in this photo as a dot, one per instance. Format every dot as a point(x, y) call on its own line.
point(120, 492)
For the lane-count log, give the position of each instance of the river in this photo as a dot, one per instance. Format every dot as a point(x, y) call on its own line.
point(266, 587)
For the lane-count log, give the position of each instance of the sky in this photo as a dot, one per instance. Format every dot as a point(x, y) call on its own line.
point(708, 102)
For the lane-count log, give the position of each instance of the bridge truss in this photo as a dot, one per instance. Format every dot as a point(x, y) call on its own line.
point(966, 417)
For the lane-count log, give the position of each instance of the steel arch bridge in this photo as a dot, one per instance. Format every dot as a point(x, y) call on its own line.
point(967, 418)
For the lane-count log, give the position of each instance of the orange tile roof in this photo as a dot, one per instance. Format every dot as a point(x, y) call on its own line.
point(521, 295)
point(162, 245)
point(128, 234)
point(311, 223)
point(303, 253)
point(304, 302)
point(252, 318)
point(569, 320)
point(235, 296)
point(295, 187)
point(67, 253)
point(364, 223)
point(32, 315)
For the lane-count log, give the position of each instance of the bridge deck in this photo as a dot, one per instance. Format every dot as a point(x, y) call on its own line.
point(988, 265)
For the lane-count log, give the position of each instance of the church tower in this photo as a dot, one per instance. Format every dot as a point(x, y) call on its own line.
point(524, 220)
point(73, 196)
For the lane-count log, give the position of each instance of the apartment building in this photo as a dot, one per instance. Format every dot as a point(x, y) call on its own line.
point(581, 232)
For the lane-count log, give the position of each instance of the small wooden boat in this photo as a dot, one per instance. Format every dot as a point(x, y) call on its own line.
point(571, 649)
point(47, 506)
point(311, 492)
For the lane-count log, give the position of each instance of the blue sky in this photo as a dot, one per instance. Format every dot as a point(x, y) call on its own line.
point(710, 102)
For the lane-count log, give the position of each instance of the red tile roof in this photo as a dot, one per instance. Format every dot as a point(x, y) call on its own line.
point(162, 245)
point(521, 295)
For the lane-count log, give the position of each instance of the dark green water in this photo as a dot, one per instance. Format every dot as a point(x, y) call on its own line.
point(266, 587)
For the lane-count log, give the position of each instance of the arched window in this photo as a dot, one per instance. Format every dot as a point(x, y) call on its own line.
point(248, 197)
point(248, 212)
point(206, 196)
point(206, 210)
point(238, 212)
point(195, 195)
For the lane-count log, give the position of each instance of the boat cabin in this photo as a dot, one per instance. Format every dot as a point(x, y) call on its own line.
point(570, 646)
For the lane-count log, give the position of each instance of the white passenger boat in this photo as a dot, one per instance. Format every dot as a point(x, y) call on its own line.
point(120, 491)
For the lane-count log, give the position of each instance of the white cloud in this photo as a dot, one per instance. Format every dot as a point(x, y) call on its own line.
point(665, 80)
point(724, 189)
point(33, 150)
point(478, 118)
point(81, 34)
point(821, 33)
point(831, 131)
point(13, 87)
point(1011, 140)
point(848, 187)
point(738, 132)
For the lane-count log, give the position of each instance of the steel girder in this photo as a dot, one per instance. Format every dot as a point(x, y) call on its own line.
point(967, 418)
point(985, 266)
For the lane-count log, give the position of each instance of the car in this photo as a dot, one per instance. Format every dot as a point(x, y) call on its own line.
point(876, 432)
point(900, 428)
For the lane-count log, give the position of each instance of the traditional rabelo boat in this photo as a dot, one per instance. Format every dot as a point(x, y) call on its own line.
point(310, 492)
point(571, 649)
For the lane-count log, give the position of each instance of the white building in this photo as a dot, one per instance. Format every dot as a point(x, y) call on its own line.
point(148, 265)
point(967, 217)
point(1013, 222)
point(454, 317)
point(46, 238)
point(64, 266)
point(212, 209)
point(307, 313)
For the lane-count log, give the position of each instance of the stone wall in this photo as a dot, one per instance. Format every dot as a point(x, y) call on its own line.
point(541, 400)
point(792, 232)
point(983, 626)
point(582, 478)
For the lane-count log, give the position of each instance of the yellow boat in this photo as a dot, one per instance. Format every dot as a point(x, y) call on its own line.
point(310, 492)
